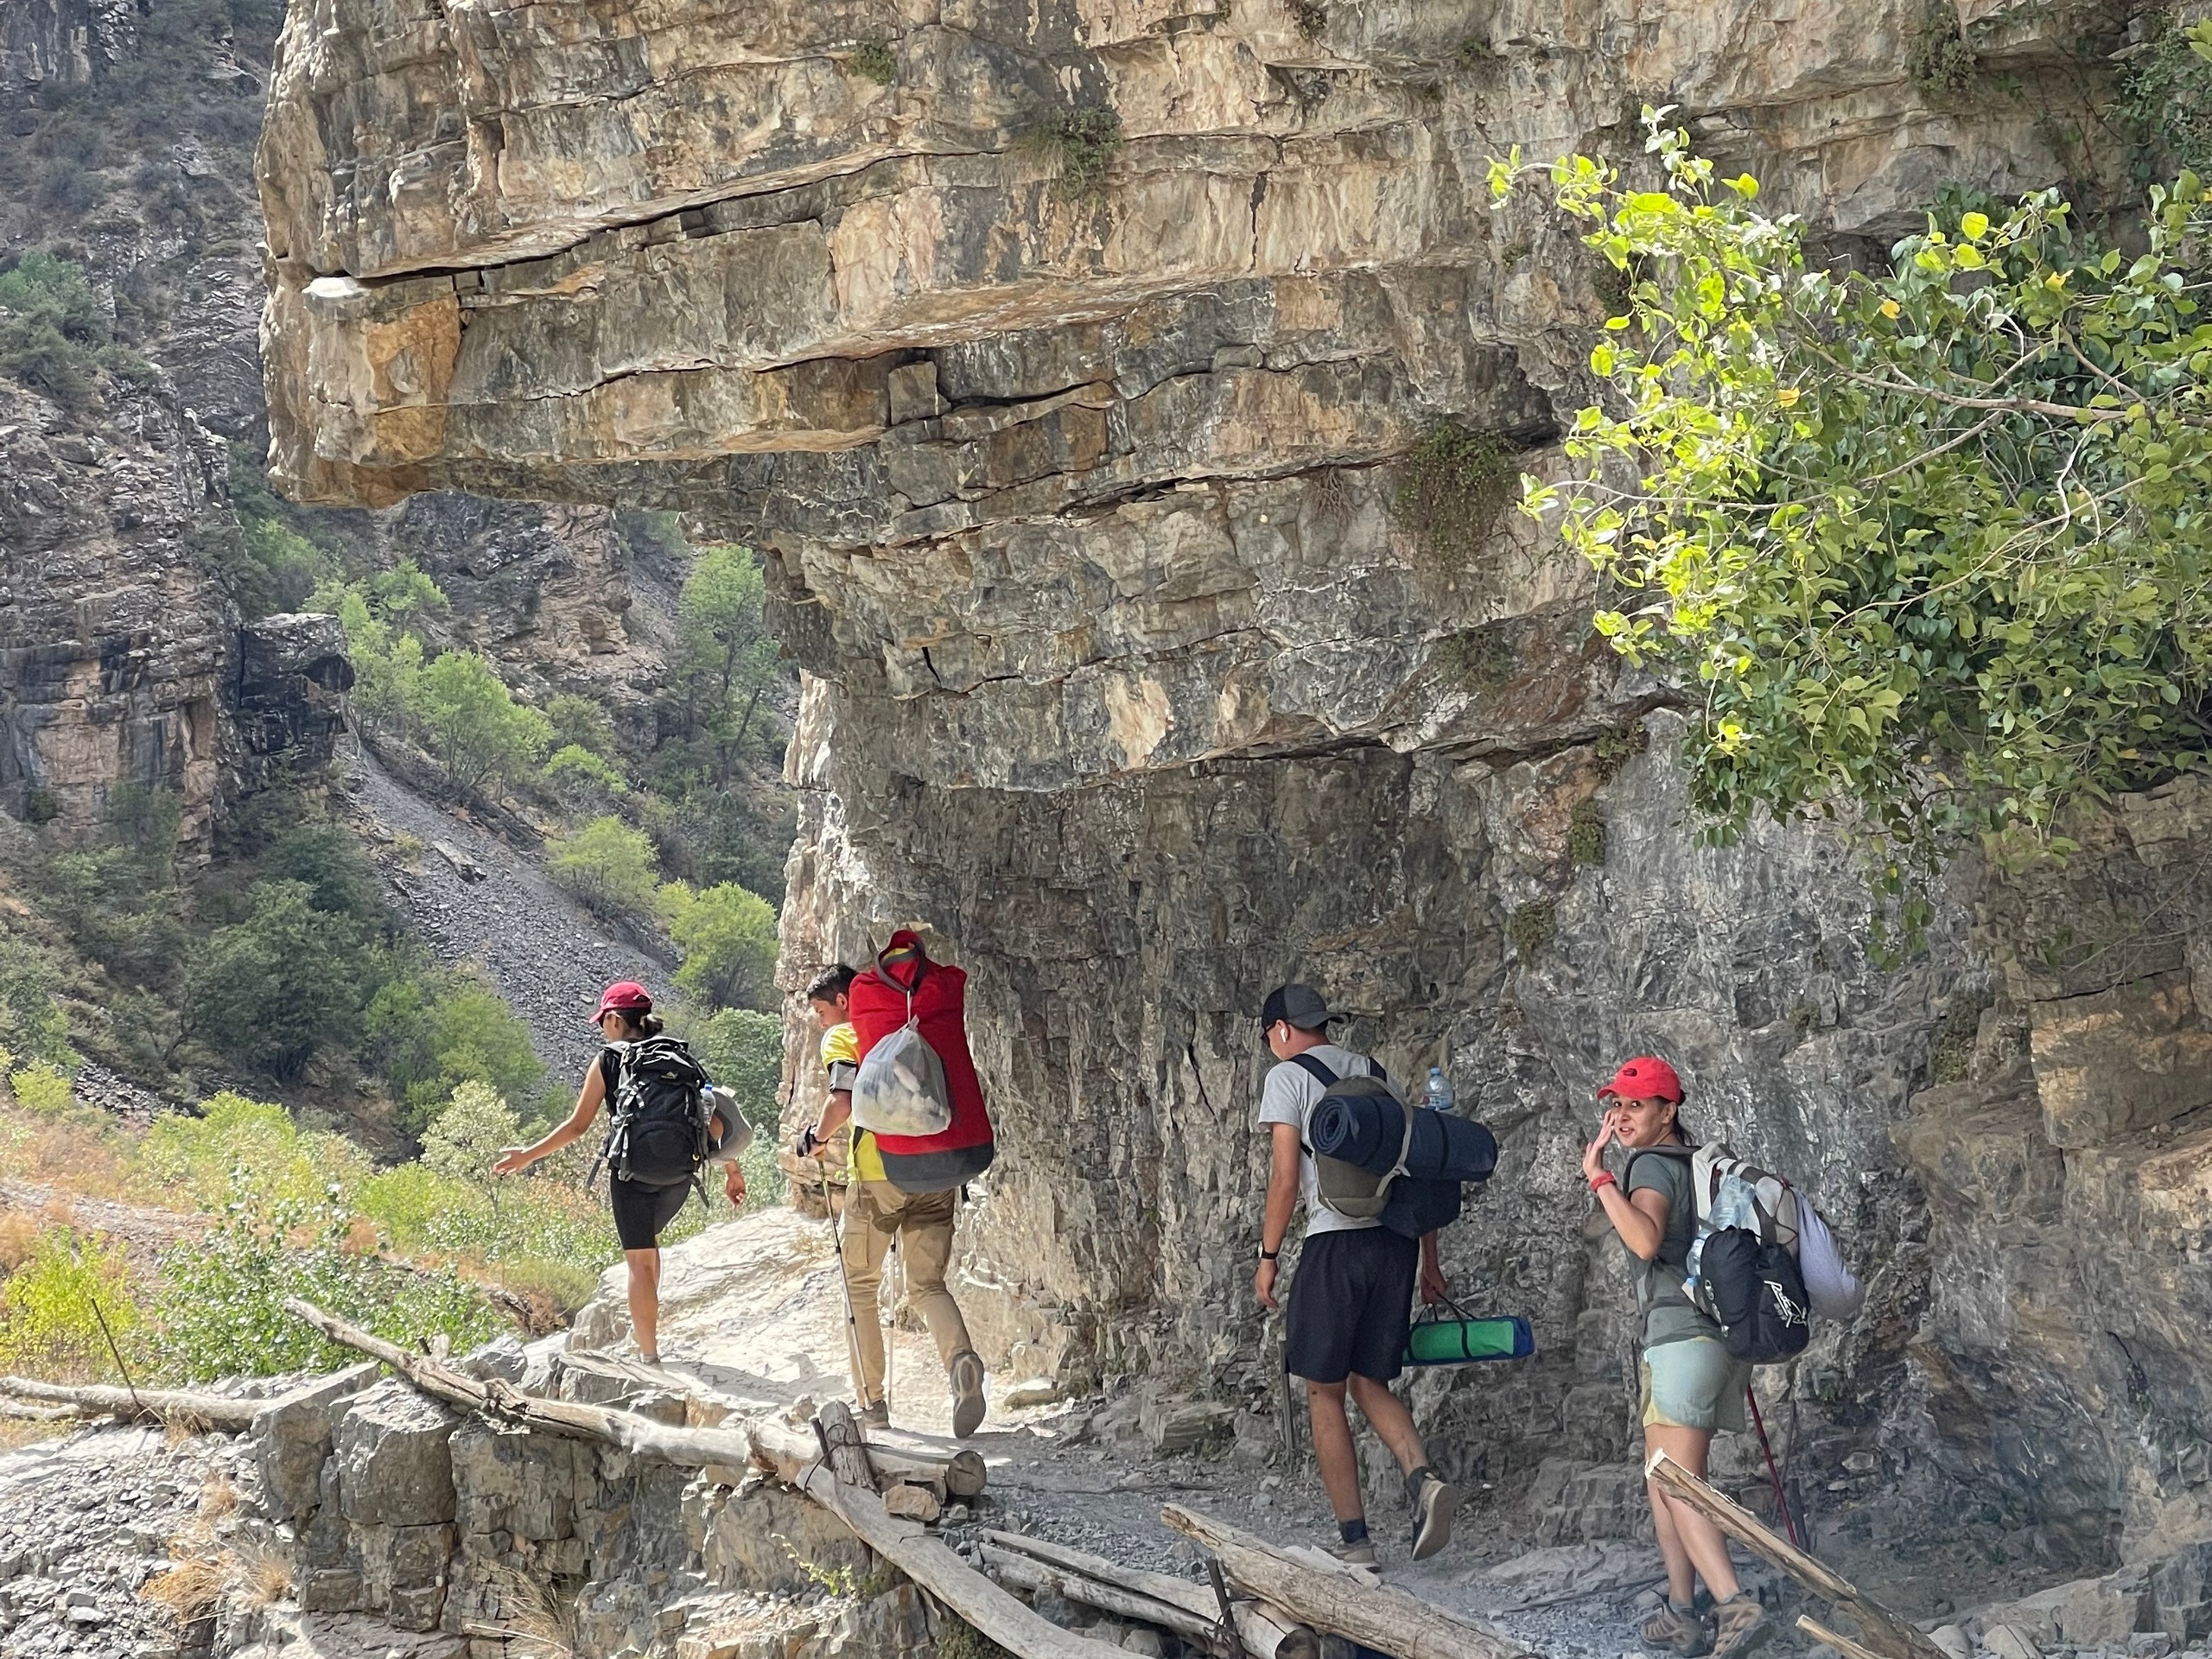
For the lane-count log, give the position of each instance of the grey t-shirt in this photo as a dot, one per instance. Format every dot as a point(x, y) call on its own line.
point(1291, 1092)
point(1672, 1316)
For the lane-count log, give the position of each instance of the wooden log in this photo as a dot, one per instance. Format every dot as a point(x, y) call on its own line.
point(1879, 1629)
point(842, 1444)
point(1842, 1645)
point(929, 1563)
point(221, 1411)
point(1268, 1632)
point(1338, 1603)
point(962, 1473)
point(1027, 1572)
point(20, 1412)
point(912, 1503)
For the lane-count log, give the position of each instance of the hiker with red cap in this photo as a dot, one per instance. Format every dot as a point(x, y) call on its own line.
point(662, 1133)
point(1691, 1385)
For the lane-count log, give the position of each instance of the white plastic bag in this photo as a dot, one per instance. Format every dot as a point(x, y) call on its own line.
point(900, 1089)
point(1833, 1288)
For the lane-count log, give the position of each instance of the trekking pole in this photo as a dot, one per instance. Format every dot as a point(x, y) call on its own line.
point(116, 1354)
point(1780, 1499)
point(852, 1324)
point(891, 1336)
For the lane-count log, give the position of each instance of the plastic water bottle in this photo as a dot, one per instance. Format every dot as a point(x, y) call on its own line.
point(1438, 1096)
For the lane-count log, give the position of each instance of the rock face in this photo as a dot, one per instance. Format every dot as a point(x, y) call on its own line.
point(1136, 678)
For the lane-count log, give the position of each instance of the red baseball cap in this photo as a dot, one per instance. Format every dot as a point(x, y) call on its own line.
point(1645, 1077)
point(624, 996)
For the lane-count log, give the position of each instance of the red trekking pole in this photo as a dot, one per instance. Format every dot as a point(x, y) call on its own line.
point(1781, 1499)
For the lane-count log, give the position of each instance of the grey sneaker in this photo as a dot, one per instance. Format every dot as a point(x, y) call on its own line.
point(1740, 1626)
point(1669, 1630)
point(967, 1370)
point(1359, 1554)
point(875, 1416)
point(1438, 1500)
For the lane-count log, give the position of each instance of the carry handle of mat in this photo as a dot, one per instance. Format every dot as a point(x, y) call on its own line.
point(1428, 1313)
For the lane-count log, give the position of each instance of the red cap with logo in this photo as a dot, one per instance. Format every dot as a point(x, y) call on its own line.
point(624, 996)
point(1645, 1077)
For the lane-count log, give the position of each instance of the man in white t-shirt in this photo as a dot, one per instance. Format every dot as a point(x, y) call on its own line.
point(1352, 1301)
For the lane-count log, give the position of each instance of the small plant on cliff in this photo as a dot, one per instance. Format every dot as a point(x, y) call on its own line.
point(1614, 748)
point(1079, 144)
point(1585, 834)
point(1926, 540)
point(1451, 486)
point(1310, 17)
point(1937, 57)
point(873, 60)
point(1481, 659)
point(1531, 927)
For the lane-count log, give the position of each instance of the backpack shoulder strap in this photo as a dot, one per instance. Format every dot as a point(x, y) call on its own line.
point(1375, 1070)
point(1317, 1070)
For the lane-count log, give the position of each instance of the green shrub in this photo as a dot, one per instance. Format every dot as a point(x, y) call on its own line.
point(873, 60)
point(1531, 927)
point(581, 723)
point(606, 867)
point(270, 990)
point(463, 1138)
point(1452, 485)
point(1585, 834)
point(247, 1157)
point(46, 1319)
point(583, 779)
point(220, 1310)
point(30, 1016)
point(1079, 145)
point(727, 940)
point(2166, 97)
point(1937, 57)
point(40, 1088)
point(431, 1034)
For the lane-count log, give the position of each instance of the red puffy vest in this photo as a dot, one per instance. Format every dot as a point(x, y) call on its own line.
point(879, 1002)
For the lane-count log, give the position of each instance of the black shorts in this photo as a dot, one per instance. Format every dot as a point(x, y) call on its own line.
point(641, 1212)
point(1352, 1304)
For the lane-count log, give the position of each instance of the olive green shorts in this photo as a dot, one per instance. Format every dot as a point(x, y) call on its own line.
point(1693, 1383)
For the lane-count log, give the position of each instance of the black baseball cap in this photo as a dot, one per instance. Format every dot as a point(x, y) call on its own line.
point(1300, 1004)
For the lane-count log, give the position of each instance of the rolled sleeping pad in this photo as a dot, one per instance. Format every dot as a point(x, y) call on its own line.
point(1366, 1130)
point(1417, 1206)
point(1461, 1341)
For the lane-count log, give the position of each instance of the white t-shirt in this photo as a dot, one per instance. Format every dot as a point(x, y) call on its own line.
point(1291, 1092)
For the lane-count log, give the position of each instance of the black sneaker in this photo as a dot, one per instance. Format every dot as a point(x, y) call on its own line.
point(1438, 1501)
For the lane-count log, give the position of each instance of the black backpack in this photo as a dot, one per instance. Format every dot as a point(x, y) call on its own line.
point(658, 1132)
point(1747, 1278)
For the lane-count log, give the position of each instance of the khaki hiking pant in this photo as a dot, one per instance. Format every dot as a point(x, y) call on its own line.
point(874, 1211)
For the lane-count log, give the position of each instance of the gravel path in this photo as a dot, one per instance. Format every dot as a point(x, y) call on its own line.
point(479, 901)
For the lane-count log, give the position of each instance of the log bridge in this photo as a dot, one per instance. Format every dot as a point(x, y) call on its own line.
point(1265, 1602)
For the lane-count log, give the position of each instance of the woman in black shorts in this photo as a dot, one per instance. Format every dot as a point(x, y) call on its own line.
point(625, 1016)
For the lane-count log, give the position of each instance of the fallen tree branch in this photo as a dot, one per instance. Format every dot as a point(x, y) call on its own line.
point(226, 1412)
point(1268, 1632)
point(1879, 1630)
point(1026, 1573)
point(929, 1563)
point(1334, 1600)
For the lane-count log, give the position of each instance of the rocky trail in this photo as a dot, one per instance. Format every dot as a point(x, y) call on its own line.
point(481, 902)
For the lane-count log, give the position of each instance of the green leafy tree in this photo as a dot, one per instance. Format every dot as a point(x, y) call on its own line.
point(463, 1138)
point(727, 939)
point(743, 1048)
point(47, 1317)
point(726, 657)
point(606, 867)
point(583, 779)
point(1924, 544)
point(30, 1012)
point(431, 1035)
point(270, 989)
point(471, 723)
point(579, 722)
point(329, 860)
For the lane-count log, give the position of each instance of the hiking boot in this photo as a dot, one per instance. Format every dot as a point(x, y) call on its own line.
point(1433, 1507)
point(1669, 1630)
point(877, 1416)
point(1359, 1554)
point(967, 1372)
point(1741, 1626)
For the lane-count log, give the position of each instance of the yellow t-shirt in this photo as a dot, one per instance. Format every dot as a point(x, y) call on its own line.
point(841, 1046)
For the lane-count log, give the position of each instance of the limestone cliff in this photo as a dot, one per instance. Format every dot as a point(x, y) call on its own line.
point(1075, 441)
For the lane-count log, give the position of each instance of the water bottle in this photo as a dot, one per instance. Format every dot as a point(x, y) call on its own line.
point(1438, 1096)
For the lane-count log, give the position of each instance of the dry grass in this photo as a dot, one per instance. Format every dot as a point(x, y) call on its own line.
point(531, 1621)
point(18, 1238)
point(217, 1498)
point(262, 1573)
point(190, 1589)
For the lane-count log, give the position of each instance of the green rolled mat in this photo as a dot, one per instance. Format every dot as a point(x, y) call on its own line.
point(1461, 1341)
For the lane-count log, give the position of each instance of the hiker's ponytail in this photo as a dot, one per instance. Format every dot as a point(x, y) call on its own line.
point(650, 1024)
